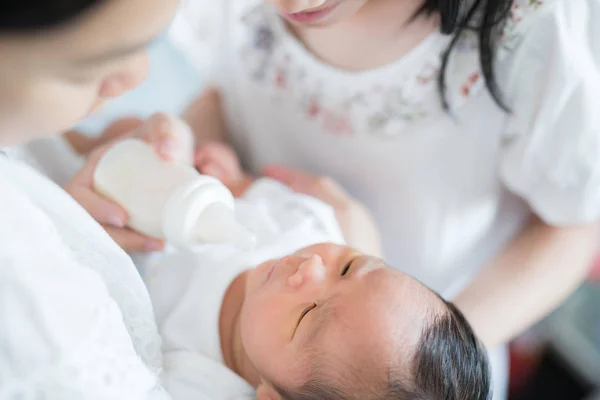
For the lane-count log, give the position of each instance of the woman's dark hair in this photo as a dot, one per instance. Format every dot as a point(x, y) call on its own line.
point(486, 18)
point(449, 364)
point(30, 16)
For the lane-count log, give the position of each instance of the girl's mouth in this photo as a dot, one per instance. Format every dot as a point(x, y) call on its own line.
point(312, 16)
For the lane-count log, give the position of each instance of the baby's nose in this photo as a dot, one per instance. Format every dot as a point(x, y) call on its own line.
point(311, 271)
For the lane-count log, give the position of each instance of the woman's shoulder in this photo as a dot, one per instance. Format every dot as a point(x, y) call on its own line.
point(39, 216)
point(16, 200)
point(31, 246)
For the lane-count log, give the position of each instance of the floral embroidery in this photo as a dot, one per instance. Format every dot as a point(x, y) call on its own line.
point(512, 34)
point(377, 110)
point(468, 85)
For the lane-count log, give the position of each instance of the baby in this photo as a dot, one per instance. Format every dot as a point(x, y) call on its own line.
point(304, 316)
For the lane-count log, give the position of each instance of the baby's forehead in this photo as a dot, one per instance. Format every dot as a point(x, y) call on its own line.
point(384, 313)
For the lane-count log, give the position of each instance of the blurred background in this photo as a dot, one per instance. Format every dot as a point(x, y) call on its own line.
point(557, 359)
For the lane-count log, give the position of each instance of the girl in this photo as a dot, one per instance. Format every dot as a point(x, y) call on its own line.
point(76, 321)
point(469, 127)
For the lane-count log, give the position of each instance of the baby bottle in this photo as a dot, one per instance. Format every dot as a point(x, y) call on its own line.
point(168, 200)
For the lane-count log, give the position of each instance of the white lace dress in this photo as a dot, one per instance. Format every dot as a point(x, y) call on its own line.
point(76, 321)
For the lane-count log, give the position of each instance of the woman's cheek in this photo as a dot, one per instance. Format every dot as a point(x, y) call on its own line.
point(63, 105)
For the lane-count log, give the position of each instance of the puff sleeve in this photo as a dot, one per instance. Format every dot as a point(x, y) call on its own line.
point(552, 154)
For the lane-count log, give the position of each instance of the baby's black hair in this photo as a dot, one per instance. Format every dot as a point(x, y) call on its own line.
point(31, 16)
point(484, 17)
point(449, 364)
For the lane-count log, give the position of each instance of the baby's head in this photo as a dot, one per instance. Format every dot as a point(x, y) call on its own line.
point(330, 323)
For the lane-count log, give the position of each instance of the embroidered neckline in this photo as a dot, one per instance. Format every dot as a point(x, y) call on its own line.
point(276, 58)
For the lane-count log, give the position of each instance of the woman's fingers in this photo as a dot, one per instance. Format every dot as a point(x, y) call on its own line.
point(158, 131)
point(101, 209)
point(170, 136)
point(114, 220)
point(132, 241)
point(119, 129)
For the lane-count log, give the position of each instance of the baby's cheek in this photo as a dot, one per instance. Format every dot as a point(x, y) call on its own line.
point(256, 337)
point(261, 322)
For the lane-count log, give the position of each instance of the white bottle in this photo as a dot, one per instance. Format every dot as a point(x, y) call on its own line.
point(168, 200)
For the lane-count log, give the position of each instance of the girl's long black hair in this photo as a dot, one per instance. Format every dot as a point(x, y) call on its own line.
point(32, 16)
point(486, 18)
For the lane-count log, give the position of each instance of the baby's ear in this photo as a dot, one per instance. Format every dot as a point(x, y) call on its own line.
point(264, 391)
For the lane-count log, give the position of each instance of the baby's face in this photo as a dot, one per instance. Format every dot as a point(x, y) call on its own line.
point(331, 304)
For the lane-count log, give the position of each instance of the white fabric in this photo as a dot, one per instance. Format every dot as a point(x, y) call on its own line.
point(76, 321)
point(187, 289)
point(448, 191)
point(43, 154)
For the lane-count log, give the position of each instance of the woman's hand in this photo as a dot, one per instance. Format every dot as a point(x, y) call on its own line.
point(355, 220)
point(166, 135)
point(84, 145)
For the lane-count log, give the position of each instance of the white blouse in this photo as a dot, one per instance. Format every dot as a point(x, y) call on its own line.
point(76, 320)
point(448, 190)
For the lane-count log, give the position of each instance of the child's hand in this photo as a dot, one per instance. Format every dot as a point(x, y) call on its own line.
point(355, 220)
point(219, 160)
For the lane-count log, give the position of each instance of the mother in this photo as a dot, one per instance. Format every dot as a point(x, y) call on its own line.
point(75, 319)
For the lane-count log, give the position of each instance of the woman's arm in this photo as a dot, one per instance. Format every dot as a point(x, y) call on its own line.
point(532, 276)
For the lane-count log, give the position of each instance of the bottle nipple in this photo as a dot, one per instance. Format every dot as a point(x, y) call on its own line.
point(217, 224)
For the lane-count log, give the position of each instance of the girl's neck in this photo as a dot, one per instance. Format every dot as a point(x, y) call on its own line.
point(232, 347)
point(381, 32)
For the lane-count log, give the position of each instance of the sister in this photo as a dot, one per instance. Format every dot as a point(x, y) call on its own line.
point(470, 128)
